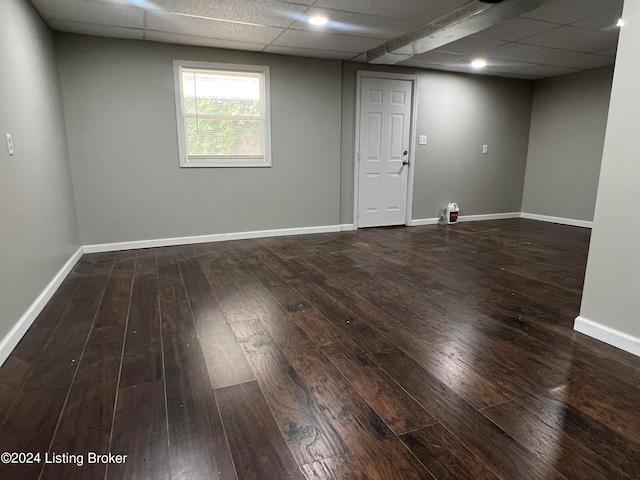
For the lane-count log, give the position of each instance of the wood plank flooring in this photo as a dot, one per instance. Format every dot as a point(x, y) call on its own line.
point(396, 353)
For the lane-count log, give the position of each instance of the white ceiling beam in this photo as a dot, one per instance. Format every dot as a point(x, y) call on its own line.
point(381, 56)
point(469, 19)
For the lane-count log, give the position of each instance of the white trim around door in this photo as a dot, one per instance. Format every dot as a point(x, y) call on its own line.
point(412, 137)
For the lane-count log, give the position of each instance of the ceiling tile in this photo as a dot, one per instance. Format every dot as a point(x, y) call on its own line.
point(328, 41)
point(300, 2)
point(462, 69)
point(90, 12)
point(435, 57)
point(98, 30)
point(520, 76)
point(529, 53)
point(304, 3)
point(586, 61)
point(570, 11)
point(572, 38)
point(470, 45)
point(165, 37)
point(515, 29)
point(164, 22)
point(409, 63)
point(548, 71)
point(605, 21)
point(513, 75)
point(265, 12)
point(308, 52)
point(419, 10)
point(454, 68)
point(356, 24)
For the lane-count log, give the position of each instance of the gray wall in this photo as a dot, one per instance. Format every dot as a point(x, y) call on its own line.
point(459, 114)
point(610, 295)
point(37, 216)
point(120, 113)
point(565, 145)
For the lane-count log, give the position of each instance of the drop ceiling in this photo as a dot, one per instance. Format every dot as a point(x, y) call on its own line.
point(557, 38)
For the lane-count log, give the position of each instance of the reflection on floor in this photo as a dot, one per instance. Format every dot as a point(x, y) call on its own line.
point(395, 353)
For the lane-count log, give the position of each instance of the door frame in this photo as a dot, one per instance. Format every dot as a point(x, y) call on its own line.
point(412, 137)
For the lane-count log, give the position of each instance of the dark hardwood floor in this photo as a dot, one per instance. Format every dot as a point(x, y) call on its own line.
point(397, 353)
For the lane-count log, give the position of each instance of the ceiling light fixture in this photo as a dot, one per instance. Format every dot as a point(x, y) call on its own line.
point(620, 23)
point(479, 63)
point(318, 20)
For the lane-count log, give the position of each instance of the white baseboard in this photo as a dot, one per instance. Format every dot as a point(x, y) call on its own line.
point(608, 335)
point(218, 237)
point(502, 216)
point(423, 221)
point(9, 342)
point(564, 221)
point(467, 218)
point(14, 336)
point(346, 227)
point(490, 216)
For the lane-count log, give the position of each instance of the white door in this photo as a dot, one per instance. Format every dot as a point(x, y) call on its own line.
point(383, 166)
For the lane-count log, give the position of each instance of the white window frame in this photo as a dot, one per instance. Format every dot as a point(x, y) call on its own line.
point(182, 141)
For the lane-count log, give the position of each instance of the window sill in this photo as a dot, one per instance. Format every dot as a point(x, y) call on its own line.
point(225, 165)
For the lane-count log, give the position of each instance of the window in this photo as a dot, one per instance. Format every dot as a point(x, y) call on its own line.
point(223, 115)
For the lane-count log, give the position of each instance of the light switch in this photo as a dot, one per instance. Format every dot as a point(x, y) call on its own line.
point(423, 140)
point(485, 149)
point(9, 144)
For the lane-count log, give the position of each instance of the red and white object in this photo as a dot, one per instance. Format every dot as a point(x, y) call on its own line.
point(452, 213)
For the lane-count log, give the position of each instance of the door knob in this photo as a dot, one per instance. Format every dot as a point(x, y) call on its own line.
point(406, 162)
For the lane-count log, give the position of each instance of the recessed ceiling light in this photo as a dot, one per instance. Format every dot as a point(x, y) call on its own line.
point(318, 20)
point(620, 23)
point(479, 63)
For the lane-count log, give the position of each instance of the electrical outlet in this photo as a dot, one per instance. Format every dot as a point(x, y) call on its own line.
point(9, 144)
point(423, 140)
point(485, 149)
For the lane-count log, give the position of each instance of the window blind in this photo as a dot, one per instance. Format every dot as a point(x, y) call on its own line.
point(224, 114)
